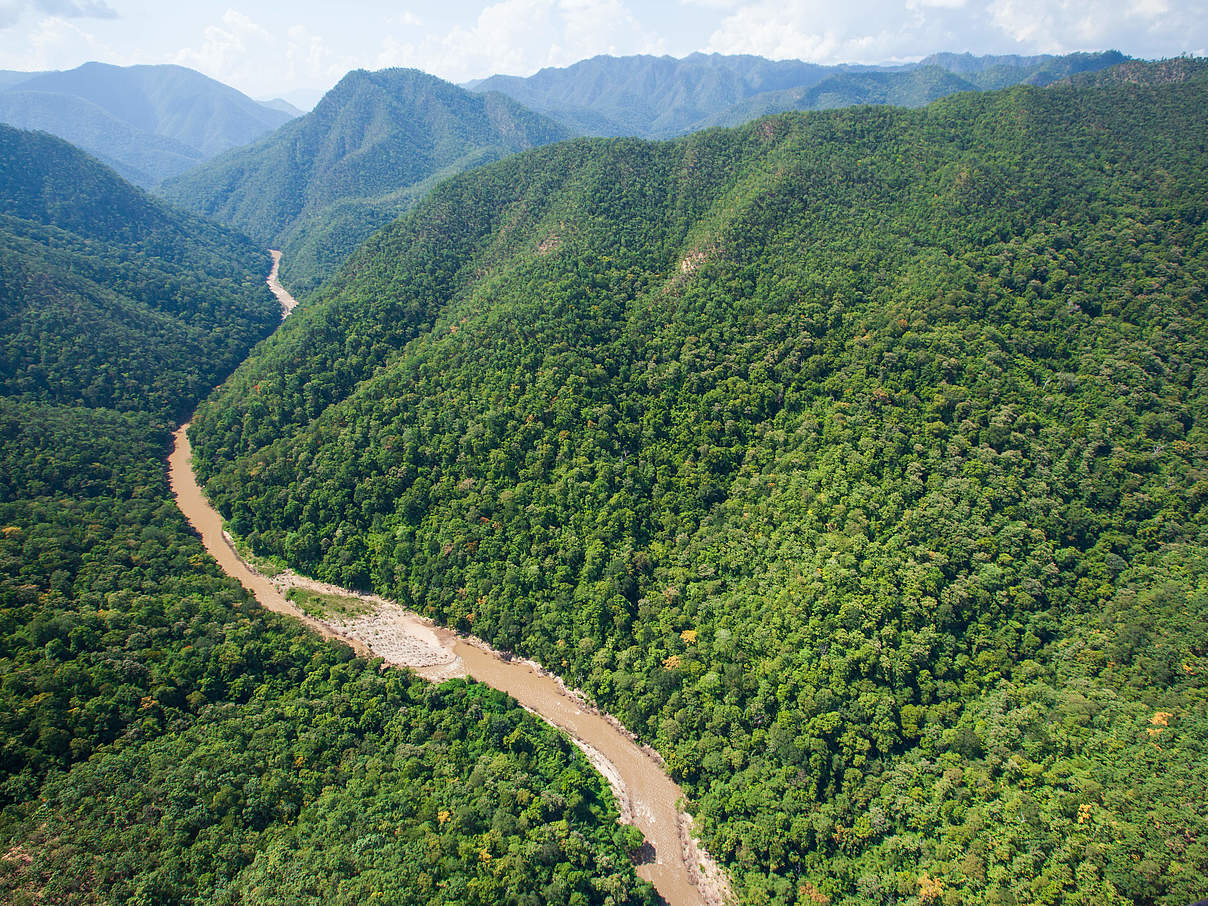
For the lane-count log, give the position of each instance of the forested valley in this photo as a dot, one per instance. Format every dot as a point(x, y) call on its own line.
point(162, 739)
point(854, 459)
point(373, 146)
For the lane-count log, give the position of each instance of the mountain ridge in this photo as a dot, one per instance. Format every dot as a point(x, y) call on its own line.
point(86, 254)
point(327, 180)
point(149, 122)
point(662, 97)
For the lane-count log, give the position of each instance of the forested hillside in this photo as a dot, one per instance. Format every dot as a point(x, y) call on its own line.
point(109, 298)
point(162, 740)
point(857, 460)
point(662, 97)
point(147, 122)
point(320, 185)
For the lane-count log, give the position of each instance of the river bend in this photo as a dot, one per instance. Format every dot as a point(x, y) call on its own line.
point(647, 797)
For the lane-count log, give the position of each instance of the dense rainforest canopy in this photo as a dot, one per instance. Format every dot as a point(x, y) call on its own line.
point(162, 740)
point(857, 460)
point(110, 298)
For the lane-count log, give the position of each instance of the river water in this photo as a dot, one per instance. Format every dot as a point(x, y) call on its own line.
point(680, 871)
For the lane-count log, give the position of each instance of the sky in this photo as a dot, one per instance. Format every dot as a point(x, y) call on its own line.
point(297, 49)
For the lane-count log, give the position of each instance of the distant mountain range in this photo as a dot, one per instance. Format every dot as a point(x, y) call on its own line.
point(378, 141)
point(282, 105)
point(147, 122)
point(662, 97)
point(375, 144)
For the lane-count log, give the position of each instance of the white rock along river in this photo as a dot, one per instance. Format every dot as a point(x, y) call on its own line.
point(679, 869)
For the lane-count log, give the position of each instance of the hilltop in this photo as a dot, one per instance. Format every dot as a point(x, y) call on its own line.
point(147, 122)
point(375, 143)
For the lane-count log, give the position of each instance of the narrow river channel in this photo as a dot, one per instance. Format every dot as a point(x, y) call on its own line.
point(679, 869)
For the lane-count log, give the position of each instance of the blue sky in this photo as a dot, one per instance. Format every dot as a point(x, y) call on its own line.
point(298, 49)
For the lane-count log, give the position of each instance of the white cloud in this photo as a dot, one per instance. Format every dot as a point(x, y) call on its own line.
point(12, 11)
point(950, 4)
point(235, 50)
point(713, 4)
point(522, 36)
point(1080, 24)
point(867, 31)
point(224, 47)
point(814, 30)
point(76, 9)
point(52, 39)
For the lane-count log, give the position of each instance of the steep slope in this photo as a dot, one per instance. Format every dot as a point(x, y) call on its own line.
point(161, 739)
point(109, 297)
point(147, 122)
point(320, 185)
point(662, 97)
point(856, 459)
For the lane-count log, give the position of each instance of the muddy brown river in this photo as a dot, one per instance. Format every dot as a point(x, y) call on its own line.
point(679, 869)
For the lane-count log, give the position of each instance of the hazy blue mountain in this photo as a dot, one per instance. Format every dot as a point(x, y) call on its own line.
point(647, 95)
point(321, 184)
point(10, 77)
point(1001, 71)
point(908, 88)
point(282, 105)
point(661, 97)
point(147, 122)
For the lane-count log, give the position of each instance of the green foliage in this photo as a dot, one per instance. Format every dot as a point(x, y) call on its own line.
point(354, 785)
point(110, 298)
point(162, 739)
point(322, 184)
point(913, 87)
point(320, 604)
point(199, 750)
point(856, 460)
point(1004, 70)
